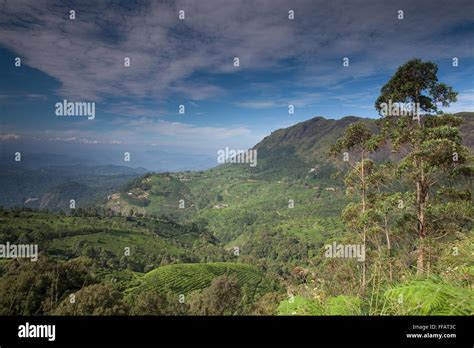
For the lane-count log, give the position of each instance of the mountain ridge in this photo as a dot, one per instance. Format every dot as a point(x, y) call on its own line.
point(312, 138)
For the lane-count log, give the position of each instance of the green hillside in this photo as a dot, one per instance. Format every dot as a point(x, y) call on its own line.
point(293, 165)
point(310, 140)
point(256, 233)
point(184, 278)
point(147, 242)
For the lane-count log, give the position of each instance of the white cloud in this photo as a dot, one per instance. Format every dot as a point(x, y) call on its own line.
point(259, 104)
point(143, 131)
point(85, 141)
point(9, 136)
point(86, 55)
point(465, 102)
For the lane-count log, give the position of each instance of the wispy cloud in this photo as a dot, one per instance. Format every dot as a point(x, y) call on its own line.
point(190, 62)
point(259, 104)
point(24, 96)
point(85, 141)
point(143, 132)
point(181, 134)
point(9, 136)
point(86, 55)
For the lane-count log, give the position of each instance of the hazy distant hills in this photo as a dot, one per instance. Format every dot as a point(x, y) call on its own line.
point(52, 187)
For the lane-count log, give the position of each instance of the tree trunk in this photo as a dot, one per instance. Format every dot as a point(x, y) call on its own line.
point(420, 202)
point(389, 246)
point(364, 236)
point(420, 205)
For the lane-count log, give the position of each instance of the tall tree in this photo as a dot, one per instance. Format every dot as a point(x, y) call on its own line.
point(359, 140)
point(432, 143)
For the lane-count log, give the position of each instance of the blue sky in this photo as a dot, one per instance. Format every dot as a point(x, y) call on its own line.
point(190, 62)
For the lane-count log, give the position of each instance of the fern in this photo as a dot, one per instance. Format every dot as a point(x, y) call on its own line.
point(428, 297)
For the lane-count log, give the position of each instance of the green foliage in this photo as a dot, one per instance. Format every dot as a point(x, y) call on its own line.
point(356, 136)
point(417, 82)
point(429, 297)
point(343, 305)
point(35, 288)
point(268, 304)
point(152, 242)
point(97, 299)
point(339, 305)
point(184, 278)
point(222, 297)
point(454, 264)
point(299, 305)
point(148, 303)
